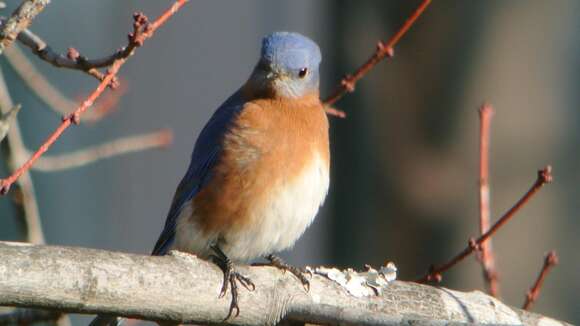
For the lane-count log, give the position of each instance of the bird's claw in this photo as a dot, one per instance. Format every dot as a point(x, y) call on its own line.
point(232, 278)
point(298, 272)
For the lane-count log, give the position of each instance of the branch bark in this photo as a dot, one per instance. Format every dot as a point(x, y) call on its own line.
point(20, 19)
point(15, 155)
point(182, 288)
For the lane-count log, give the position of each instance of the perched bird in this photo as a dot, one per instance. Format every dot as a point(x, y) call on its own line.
point(259, 170)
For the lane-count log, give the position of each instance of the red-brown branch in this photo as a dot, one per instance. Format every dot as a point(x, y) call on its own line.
point(74, 60)
point(384, 50)
point(487, 260)
point(550, 261)
point(51, 96)
point(142, 30)
point(435, 272)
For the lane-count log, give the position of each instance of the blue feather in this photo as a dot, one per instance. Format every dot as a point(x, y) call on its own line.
point(205, 154)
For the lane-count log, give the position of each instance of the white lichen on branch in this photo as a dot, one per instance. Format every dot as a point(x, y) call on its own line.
point(360, 284)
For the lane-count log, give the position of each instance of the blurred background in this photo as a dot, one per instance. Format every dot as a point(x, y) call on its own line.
point(404, 162)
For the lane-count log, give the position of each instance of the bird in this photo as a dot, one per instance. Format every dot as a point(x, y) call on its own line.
point(259, 170)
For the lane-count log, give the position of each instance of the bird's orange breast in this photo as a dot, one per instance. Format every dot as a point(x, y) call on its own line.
point(271, 142)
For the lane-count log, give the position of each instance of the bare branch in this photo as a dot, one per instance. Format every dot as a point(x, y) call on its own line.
point(550, 262)
point(384, 50)
point(125, 145)
point(487, 260)
point(184, 289)
point(142, 31)
point(14, 153)
point(20, 19)
point(73, 59)
point(435, 272)
point(51, 96)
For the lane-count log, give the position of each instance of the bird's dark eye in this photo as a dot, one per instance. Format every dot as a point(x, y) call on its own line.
point(303, 72)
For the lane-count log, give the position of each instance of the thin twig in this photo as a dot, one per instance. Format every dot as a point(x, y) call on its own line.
point(51, 96)
point(142, 31)
point(550, 261)
point(487, 260)
point(20, 19)
point(15, 154)
point(74, 60)
point(384, 50)
point(435, 272)
point(125, 145)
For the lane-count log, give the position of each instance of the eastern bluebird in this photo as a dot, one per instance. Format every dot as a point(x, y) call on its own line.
point(259, 170)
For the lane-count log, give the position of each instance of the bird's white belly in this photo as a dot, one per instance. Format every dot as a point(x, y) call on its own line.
point(284, 215)
point(274, 224)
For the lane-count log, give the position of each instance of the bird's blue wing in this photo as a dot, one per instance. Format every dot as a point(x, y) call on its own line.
point(205, 154)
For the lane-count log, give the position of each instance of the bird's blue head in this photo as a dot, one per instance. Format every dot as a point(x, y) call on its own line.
point(288, 66)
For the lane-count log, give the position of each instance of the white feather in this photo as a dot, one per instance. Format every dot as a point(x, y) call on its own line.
point(275, 225)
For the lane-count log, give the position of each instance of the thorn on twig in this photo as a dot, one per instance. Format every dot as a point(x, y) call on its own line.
point(72, 54)
point(485, 109)
point(141, 29)
point(115, 83)
point(552, 259)
point(389, 52)
point(73, 117)
point(335, 112)
point(545, 175)
point(348, 83)
point(4, 187)
point(433, 275)
point(472, 243)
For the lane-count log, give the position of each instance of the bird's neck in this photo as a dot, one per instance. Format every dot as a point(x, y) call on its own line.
point(251, 91)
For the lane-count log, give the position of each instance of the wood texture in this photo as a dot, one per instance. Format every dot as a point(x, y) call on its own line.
point(182, 288)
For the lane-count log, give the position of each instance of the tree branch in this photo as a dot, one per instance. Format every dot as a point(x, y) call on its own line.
point(51, 96)
point(182, 288)
point(20, 19)
point(487, 258)
point(435, 272)
point(383, 50)
point(15, 154)
point(124, 145)
point(550, 262)
point(142, 30)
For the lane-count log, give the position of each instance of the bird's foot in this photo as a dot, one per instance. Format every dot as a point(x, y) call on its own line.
point(298, 272)
point(231, 277)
